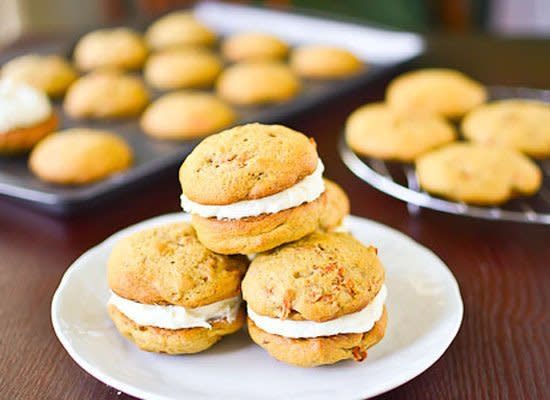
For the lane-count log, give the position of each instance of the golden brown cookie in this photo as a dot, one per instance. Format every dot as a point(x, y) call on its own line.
point(106, 94)
point(324, 62)
point(182, 68)
point(446, 92)
point(79, 156)
point(312, 352)
point(23, 139)
point(523, 125)
point(253, 46)
point(185, 115)
point(167, 290)
point(477, 174)
point(257, 83)
point(50, 73)
point(336, 206)
point(376, 130)
point(120, 48)
point(179, 28)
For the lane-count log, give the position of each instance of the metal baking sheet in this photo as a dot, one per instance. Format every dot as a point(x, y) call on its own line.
point(381, 49)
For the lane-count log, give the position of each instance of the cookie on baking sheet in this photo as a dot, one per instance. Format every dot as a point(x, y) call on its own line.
point(182, 68)
point(477, 174)
point(376, 130)
point(523, 125)
point(252, 188)
point(79, 156)
point(179, 28)
point(26, 116)
point(336, 206)
point(120, 48)
point(324, 62)
point(316, 301)
point(106, 94)
point(251, 83)
point(185, 115)
point(445, 92)
point(172, 295)
point(253, 46)
point(49, 73)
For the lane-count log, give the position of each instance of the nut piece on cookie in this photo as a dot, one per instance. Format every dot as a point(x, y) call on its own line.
point(376, 130)
point(477, 174)
point(79, 156)
point(179, 28)
point(522, 125)
point(324, 62)
point(253, 46)
point(316, 301)
point(252, 188)
point(445, 92)
point(172, 295)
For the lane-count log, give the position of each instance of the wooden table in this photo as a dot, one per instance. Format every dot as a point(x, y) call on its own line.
point(501, 351)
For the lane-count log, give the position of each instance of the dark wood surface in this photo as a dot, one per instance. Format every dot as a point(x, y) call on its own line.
point(501, 351)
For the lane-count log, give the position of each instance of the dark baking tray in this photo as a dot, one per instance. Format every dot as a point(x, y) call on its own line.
point(389, 49)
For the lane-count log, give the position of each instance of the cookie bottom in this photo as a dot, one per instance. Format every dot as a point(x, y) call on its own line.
point(173, 341)
point(23, 139)
point(322, 350)
point(261, 233)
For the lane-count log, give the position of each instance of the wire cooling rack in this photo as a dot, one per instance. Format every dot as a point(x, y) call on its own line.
point(399, 179)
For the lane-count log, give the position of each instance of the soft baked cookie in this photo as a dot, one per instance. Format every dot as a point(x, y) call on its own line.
point(120, 48)
point(376, 130)
point(336, 206)
point(170, 294)
point(477, 174)
point(252, 188)
point(106, 94)
point(179, 28)
point(316, 301)
point(186, 114)
point(252, 83)
point(324, 62)
point(182, 68)
point(446, 92)
point(523, 125)
point(79, 156)
point(26, 116)
point(49, 73)
point(253, 46)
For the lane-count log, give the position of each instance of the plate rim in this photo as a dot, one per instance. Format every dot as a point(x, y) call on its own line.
point(395, 380)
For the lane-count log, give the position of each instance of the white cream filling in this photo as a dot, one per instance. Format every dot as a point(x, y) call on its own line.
point(358, 322)
point(177, 317)
point(21, 105)
point(305, 191)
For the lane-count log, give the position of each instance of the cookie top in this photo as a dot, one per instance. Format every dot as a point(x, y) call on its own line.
point(318, 278)
point(324, 62)
point(49, 73)
point(245, 163)
point(253, 46)
point(477, 174)
point(376, 130)
point(182, 68)
point(79, 156)
point(523, 125)
point(104, 94)
point(179, 29)
point(437, 91)
point(336, 206)
point(257, 83)
point(168, 265)
point(120, 48)
point(186, 114)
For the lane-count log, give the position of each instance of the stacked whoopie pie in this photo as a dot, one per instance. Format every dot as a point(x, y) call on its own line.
point(315, 294)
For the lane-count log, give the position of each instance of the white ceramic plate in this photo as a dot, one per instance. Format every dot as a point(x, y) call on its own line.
point(424, 314)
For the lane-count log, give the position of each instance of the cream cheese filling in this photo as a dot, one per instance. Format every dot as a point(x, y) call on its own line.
point(305, 191)
point(177, 317)
point(21, 105)
point(358, 322)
